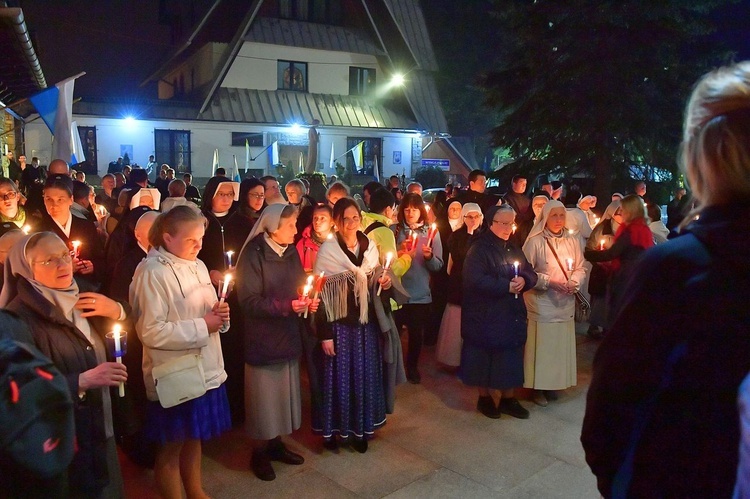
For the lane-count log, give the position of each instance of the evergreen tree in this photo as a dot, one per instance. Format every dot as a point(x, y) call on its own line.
point(597, 86)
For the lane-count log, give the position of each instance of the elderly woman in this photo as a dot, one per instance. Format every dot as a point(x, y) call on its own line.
point(557, 259)
point(427, 259)
point(454, 216)
point(178, 315)
point(493, 323)
point(10, 209)
point(602, 237)
point(661, 413)
point(268, 275)
point(68, 327)
point(448, 351)
point(538, 200)
point(355, 401)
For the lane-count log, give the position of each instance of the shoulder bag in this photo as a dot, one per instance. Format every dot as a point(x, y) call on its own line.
point(179, 380)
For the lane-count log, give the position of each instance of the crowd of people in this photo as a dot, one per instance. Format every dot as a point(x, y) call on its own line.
point(230, 298)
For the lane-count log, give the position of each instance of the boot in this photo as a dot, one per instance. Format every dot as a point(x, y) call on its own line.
point(360, 445)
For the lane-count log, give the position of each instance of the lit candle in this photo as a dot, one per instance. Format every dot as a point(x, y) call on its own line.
point(571, 231)
point(515, 268)
point(414, 240)
point(26, 229)
point(514, 227)
point(102, 211)
point(330, 235)
point(306, 292)
point(76, 248)
point(427, 208)
point(223, 295)
point(118, 354)
point(570, 264)
point(318, 286)
point(388, 259)
point(229, 259)
point(601, 244)
point(596, 220)
point(431, 235)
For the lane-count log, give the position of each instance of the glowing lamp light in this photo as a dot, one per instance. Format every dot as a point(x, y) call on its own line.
point(398, 79)
point(295, 128)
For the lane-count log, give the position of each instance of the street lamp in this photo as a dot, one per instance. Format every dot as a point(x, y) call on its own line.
point(398, 80)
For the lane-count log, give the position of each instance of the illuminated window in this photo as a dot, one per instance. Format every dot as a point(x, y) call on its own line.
point(292, 76)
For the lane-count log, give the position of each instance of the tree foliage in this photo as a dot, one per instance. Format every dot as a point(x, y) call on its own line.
point(597, 86)
point(430, 176)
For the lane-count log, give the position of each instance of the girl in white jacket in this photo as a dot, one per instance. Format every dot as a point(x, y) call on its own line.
point(178, 313)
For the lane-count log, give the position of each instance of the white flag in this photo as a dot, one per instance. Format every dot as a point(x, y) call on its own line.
point(301, 162)
point(358, 153)
point(62, 144)
point(275, 153)
point(247, 156)
point(375, 171)
point(215, 161)
point(77, 154)
point(332, 162)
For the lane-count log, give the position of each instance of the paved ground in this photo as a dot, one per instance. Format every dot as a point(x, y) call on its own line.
point(435, 445)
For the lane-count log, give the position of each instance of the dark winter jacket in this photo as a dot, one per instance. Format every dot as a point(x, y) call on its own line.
point(459, 243)
point(491, 316)
point(690, 291)
point(266, 286)
point(214, 250)
point(72, 353)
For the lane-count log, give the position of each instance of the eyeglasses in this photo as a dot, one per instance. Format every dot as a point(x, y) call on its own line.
point(55, 260)
point(225, 194)
point(506, 224)
point(9, 195)
point(257, 196)
point(473, 217)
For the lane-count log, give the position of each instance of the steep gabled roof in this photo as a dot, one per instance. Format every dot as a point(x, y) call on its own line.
point(21, 74)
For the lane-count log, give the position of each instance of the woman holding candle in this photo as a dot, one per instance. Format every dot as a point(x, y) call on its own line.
point(550, 352)
point(355, 402)
point(269, 273)
point(251, 204)
point(179, 314)
point(89, 264)
point(493, 319)
point(68, 327)
point(314, 235)
point(661, 410)
point(602, 237)
point(218, 204)
point(427, 259)
point(448, 351)
point(633, 236)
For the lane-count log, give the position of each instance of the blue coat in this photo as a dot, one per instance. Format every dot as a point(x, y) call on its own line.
point(690, 291)
point(491, 316)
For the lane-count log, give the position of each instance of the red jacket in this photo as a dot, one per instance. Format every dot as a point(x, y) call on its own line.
point(307, 249)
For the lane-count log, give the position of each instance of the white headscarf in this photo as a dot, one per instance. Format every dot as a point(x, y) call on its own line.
point(235, 188)
point(455, 223)
point(542, 222)
point(472, 208)
point(135, 201)
point(268, 222)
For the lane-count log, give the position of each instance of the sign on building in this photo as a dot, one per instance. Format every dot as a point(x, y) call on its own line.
point(443, 164)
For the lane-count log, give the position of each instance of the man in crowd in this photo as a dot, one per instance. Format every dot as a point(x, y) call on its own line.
point(520, 202)
point(106, 197)
point(272, 190)
point(414, 187)
point(191, 192)
point(475, 193)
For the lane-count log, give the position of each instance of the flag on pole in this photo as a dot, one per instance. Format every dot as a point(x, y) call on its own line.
point(375, 171)
point(332, 162)
point(275, 153)
point(215, 162)
point(77, 154)
point(55, 107)
point(301, 162)
point(247, 156)
point(359, 152)
point(236, 170)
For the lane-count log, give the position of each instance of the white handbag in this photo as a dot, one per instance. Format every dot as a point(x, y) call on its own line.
point(179, 380)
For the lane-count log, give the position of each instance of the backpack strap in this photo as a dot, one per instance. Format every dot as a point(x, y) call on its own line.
point(373, 226)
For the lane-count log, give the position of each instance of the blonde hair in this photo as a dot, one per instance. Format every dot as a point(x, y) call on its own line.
point(715, 149)
point(633, 208)
point(171, 221)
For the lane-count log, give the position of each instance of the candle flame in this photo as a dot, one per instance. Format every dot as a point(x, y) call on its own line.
point(117, 329)
point(26, 229)
point(571, 231)
point(230, 253)
point(310, 280)
point(434, 226)
point(76, 244)
point(329, 236)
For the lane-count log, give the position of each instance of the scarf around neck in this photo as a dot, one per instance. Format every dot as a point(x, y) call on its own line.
point(341, 275)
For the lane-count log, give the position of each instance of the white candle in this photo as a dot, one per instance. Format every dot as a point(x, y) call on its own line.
point(570, 264)
point(515, 267)
point(229, 259)
point(318, 285)
point(76, 248)
point(601, 244)
point(514, 227)
point(223, 296)
point(118, 357)
point(26, 229)
point(388, 258)
point(431, 235)
point(414, 240)
point(306, 292)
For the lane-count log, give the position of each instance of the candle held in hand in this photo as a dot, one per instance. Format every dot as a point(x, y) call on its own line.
point(26, 229)
point(229, 259)
point(601, 244)
point(116, 333)
point(225, 288)
point(570, 264)
point(414, 237)
point(76, 248)
point(515, 268)
point(388, 259)
point(431, 236)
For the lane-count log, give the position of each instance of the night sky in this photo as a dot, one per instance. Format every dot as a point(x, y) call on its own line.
point(119, 42)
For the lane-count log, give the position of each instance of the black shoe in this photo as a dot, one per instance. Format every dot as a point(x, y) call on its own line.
point(331, 444)
point(486, 406)
point(278, 452)
point(512, 407)
point(551, 395)
point(413, 376)
point(261, 466)
point(360, 445)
